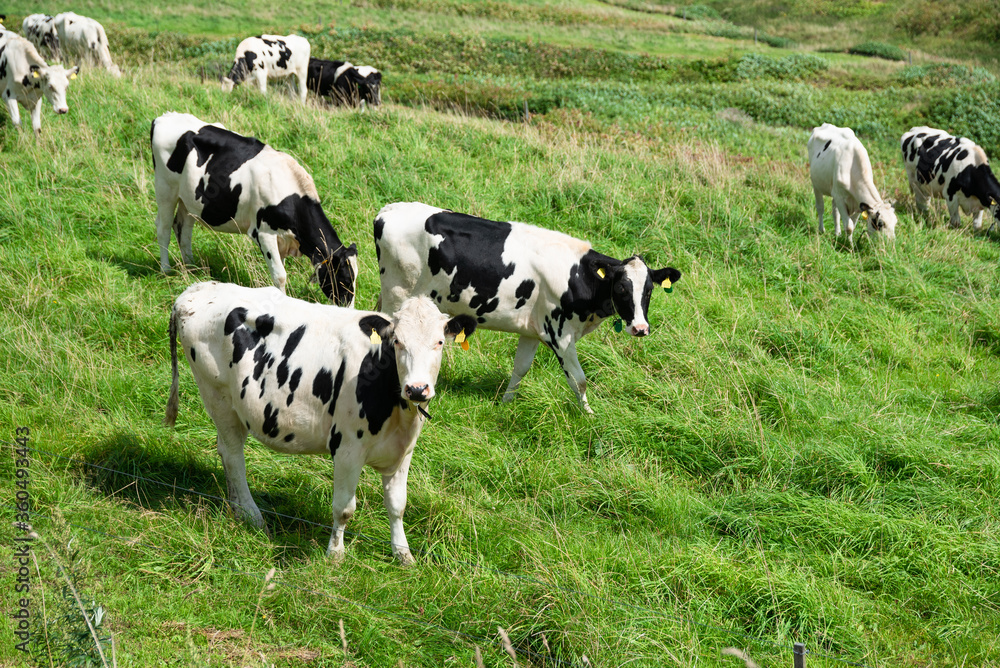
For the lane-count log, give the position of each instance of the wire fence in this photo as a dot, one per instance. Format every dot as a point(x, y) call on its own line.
point(799, 651)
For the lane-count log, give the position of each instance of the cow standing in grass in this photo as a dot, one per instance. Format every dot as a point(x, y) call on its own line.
point(953, 168)
point(238, 184)
point(839, 167)
point(84, 39)
point(26, 79)
point(345, 83)
point(543, 285)
point(270, 57)
point(312, 379)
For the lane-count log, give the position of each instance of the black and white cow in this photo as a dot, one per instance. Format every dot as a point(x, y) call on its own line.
point(543, 285)
point(839, 167)
point(953, 168)
point(345, 83)
point(270, 57)
point(84, 39)
point(40, 30)
point(312, 379)
point(239, 184)
point(26, 79)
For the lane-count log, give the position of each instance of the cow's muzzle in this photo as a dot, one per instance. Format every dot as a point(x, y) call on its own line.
point(63, 110)
point(639, 330)
point(418, 392)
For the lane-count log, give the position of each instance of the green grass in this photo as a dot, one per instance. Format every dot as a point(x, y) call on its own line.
point(803, 450)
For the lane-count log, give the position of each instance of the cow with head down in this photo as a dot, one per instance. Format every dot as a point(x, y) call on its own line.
point(270, 57)
point(345, 83)
point(954, 169)
point(84, 39)
point(26, 79)
point(543, 285)
point(840, 168)
point(313, 379)
point(238, 184)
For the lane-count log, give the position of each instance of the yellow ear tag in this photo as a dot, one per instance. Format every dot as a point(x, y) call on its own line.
point(35, 74)
point(375, 338)
point(665, 284)
point(864, 215)
point(460, 337)
point(600, 272)
point(72, 76)
point(993, 202)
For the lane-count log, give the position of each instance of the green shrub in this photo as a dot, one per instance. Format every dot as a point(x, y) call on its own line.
point(698, 13)
point(795, 66)
point(878, 50)
point(943, 75)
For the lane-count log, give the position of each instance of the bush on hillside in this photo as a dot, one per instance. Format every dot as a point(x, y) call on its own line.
point(793, 67)
point(944, 75)
point(697, 12)
point(970, 112)
point(878, 50)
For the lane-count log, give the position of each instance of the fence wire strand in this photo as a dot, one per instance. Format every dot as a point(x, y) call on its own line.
point(429, 553)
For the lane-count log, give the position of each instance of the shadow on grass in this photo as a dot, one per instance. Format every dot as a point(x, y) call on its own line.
point(123, 467)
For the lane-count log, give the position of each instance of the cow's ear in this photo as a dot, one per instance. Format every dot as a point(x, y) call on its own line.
point(352, 250)
point(602, 268)
point(73, 72)
point(864, 207)
point(665, 277)
point(376, 328)
point(460, 327)
point(35, 72)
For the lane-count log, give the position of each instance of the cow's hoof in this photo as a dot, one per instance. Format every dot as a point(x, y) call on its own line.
point(336, 556)
point(405, 558)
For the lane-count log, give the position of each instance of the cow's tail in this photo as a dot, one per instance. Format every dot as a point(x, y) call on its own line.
point(171, 413)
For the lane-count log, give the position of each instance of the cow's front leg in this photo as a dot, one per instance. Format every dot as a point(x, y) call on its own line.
point(977, 221)
point(526, 348)
point(268, 244)
point(36, 118)
point(574, 373)
point(232, 435)
point(954, 213)
point(261, 78)
point(346, 472)
point(394, 499)
point(12, 109)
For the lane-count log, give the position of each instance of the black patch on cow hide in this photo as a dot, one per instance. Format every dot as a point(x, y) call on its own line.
point(221, 153)
point(270, 426)
point(335, 439)
point(472, 248)
point(378, 390)
point(586, 293)
point(289, 437)
point(265, 324)
point(827, 144)
point(523, 292)
point(192, 353)
point(242, 66)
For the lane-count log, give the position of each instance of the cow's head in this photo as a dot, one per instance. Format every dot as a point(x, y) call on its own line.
point(417, 333)
point(369, 82)
point(53, 81)
point(881, 219)
point(631, 283)
point(338, 275)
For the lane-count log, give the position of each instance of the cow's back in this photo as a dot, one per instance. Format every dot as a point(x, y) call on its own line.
point(508, 275)
point(837, 156)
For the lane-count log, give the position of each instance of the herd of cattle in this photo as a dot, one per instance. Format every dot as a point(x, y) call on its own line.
point(353, 385)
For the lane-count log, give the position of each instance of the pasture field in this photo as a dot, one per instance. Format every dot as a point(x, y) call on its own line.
point(803, 450)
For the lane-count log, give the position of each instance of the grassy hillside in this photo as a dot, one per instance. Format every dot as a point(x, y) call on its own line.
point(804, 450)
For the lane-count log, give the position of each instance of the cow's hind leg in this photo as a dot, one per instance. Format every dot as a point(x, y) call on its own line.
point(526, 347)
point(183, 227)
point(394, 499)
point(166, 205)
point(232, 436)
point(819, 210)
point(346, 472)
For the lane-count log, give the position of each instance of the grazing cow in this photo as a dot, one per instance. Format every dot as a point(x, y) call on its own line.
point(543, 285)
point(40, 30)
point(312, 379)
point(26, 79)
point(239, 184)
point(84, 39)
point(270, 57)
point(954, 168)
point(840, 168)
point(345, 83)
